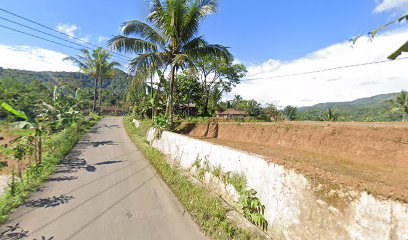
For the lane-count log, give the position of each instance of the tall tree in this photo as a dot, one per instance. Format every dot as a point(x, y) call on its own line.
point(271, 112)
point(97, 65)
point(168, 38)
point(290, 112)
point(237, 99)
point(252, 107)
point(220, 74)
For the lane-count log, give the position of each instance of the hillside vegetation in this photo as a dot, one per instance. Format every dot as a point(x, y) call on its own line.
point(25, 89)
point(377, 108)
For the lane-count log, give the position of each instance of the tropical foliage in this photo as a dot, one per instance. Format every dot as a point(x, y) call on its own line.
point(98, 66)
point(168, 39)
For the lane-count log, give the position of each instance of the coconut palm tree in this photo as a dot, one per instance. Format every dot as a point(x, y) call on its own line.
point(169, 37)
point(98, 66)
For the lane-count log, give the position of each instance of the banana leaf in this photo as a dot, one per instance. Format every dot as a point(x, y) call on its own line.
point(22, 125)
point(15, 112)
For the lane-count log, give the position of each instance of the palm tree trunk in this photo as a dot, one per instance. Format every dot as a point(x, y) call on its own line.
point(151, 89)
point(207, 93)
point(206, 104)
point(39, 150)
point(171, 98)
point(100, 98)
point(95, 95)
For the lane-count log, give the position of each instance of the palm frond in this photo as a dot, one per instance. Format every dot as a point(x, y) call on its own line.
point(196, 13)
point(403, 48)
point(129, 44)
point(76, 62)
point(158, 16)
point(143, 30)
point(375, 32)
point(195, 43)
point(154, 60)
point(212, 50)
point(184, 61)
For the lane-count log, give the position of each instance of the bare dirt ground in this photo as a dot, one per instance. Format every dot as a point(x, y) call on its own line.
point(370, 157)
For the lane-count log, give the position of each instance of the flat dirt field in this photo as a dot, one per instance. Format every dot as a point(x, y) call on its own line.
point(370, 157)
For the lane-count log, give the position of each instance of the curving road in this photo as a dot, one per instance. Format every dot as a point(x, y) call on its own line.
point(104, 189)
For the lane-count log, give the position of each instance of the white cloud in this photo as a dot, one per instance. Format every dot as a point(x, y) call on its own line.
point(102, 39)
point(389, 5)
point(73, 30)
point(33, 59)
point(86, 38)
point(337, 85)
point(69, 29)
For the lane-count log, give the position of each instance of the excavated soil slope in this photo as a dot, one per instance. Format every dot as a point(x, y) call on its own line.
point(366, 156)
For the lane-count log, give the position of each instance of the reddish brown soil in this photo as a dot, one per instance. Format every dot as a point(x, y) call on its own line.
point(10, 164)
point(366, 156)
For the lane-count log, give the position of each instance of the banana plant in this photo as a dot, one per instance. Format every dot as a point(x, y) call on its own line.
point(331, 115)
point(28, 123)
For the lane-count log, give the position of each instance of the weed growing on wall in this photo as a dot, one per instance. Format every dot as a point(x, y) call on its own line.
point(251, 207)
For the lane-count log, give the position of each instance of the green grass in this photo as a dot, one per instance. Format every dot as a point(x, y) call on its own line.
point(56, 148)
point(237, 180)
point(206, 209)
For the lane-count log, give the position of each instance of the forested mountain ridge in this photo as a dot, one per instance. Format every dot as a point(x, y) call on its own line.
point(375, 108)
point(54, 77)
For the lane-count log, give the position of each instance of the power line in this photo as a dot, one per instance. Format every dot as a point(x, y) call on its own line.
point(35, 36)
point(50, 28)
point(39, 37)
point(51, 35)
point(324, 70)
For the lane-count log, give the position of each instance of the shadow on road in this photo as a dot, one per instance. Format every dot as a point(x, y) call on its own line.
point(101, 143)
point(16, 232)
point(62, 178)
point(48, 202)
point(108, 162)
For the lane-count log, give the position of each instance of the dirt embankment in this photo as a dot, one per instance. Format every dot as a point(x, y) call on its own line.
point(367, 156)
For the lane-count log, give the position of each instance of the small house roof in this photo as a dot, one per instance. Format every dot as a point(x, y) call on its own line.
point(232, 111)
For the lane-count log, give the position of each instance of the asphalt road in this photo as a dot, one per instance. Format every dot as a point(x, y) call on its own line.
point(105, 189)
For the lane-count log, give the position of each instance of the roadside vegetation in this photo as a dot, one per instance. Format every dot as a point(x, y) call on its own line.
point(56, 147)
point(206, 209)
point(97, 66)
point(249, 204)
point(39, 124)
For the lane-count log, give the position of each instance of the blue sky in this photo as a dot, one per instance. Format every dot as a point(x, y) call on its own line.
point(271, 37)
point(255, 30)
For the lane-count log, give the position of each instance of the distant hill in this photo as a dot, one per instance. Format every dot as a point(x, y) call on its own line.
point(54, 77)
point(115, 89)
point(376, 108)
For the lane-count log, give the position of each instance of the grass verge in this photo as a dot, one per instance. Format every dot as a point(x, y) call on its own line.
point(206, 209)
point(56, 147)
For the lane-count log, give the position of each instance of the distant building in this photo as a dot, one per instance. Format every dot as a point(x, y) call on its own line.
point(231, 113)
point(189, 109)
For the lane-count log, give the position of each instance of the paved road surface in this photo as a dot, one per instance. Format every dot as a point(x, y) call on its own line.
point(105, 189)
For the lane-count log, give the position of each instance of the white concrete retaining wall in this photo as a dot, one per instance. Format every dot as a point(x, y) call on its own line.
point(136, 123)
point(293, 210)
point(3, 183)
